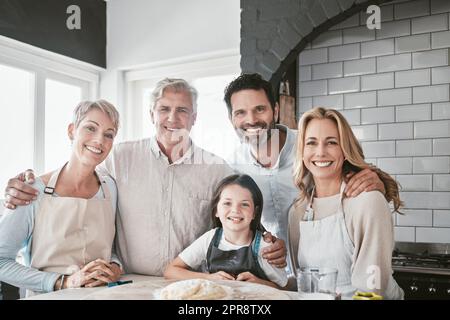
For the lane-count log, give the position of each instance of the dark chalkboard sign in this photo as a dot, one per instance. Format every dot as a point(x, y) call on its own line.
point(74, 28)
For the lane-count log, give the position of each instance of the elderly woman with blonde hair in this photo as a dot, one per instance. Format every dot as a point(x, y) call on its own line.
point(326, 229)
point(69, 231)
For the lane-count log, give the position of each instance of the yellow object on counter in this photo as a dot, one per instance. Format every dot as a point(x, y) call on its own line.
point(359, 295)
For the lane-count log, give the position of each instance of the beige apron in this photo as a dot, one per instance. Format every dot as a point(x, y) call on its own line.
point(71, 232)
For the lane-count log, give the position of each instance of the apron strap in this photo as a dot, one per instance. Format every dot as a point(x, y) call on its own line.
point(309, 212)
point(50, 188)
point(217, 237)
point(341, 197)
point(103, 185)
point(256, 244)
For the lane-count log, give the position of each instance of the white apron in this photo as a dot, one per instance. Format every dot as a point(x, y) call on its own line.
point(326, 243)
point(71, 232)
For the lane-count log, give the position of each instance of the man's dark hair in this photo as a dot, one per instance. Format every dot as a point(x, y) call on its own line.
point(249, 81)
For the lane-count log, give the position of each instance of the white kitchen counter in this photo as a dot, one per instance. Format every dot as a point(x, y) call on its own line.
point(80, 293)
point(144, 288)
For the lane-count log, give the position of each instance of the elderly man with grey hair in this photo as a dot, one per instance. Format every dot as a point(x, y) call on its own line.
point(165, 184)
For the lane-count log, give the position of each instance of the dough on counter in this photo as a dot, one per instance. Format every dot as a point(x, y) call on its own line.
point(195, 289)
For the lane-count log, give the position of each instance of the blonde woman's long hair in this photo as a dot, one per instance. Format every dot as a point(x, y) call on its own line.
point(351, 149)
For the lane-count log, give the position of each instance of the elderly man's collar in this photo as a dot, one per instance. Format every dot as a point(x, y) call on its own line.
point(156, 150)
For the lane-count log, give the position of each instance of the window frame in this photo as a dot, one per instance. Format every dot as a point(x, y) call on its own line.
point(136, 80)
point(47, 65)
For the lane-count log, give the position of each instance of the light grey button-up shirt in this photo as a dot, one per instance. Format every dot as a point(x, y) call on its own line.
point(276, 183)
point(162, 207)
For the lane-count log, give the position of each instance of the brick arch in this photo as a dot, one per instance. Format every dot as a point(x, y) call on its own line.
point(274, 32)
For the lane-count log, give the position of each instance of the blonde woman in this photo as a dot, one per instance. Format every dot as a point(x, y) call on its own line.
point(68, 231)
point(326, 229)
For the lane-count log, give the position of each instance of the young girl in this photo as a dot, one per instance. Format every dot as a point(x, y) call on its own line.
point(232, 250)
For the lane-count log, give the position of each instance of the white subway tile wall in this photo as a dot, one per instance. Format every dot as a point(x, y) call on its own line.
point(412, 43)
point(366, 133)
point(305, 73)
point(394, 63)
point(441, 218)
point(336, 101)
point(327, 70)
point(377, 81)
point(441, 182)
point(394, 29)
point(360, 66)
point(422, 182)
point(440, 39)
point(347, 52)
point(413, 112)
point(393, 86)
point(412, 9)
point(377, 48)
point(413, 148)
point(360, 100)
point(429, 24)
point(430, 58)
point(441, 110)
point(441, 146)
point(378, 115)
point(407, 234)
point(379, 149)
point(412, 78)
point(440, 75)
point(409, 218)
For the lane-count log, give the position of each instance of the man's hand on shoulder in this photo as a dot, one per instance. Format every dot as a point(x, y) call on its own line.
point(365, 180)
point(18, 192)
point(275, 254)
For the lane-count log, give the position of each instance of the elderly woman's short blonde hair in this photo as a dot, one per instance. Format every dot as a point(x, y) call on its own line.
point(85, 106)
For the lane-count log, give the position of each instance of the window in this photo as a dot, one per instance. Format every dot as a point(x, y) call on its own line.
point(38, 92)
point(213, 130)
point(60, 100)
point(16, 122)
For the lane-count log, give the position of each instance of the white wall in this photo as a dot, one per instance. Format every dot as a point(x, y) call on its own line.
point(145, 31)
point(393, 86)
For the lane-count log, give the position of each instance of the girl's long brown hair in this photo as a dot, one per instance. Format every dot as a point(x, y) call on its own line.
point(352, 150)
point(246, 182)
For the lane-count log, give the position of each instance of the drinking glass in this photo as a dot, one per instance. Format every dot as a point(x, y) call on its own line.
point(317, 283)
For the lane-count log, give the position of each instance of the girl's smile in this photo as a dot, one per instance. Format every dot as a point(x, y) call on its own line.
point(235, 209)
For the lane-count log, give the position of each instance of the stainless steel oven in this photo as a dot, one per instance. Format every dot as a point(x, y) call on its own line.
point(422, 270)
